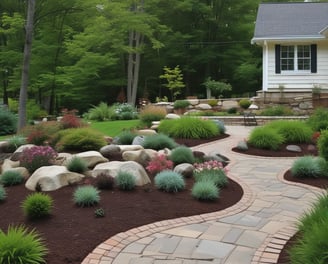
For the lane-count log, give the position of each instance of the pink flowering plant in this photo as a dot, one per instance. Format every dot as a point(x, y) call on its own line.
point(36, 157)
point(158, 164)
point(211, 170)
point(209, 165)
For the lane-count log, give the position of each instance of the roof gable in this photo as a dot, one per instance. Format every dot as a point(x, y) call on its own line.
point(291, 20)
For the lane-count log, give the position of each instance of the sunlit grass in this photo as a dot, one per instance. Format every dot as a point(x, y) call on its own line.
point(113, 128)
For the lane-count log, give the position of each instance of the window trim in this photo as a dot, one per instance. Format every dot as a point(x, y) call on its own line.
point(295, 59)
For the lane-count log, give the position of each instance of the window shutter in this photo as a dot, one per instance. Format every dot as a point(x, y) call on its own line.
point(277, 50)
point(313, 58)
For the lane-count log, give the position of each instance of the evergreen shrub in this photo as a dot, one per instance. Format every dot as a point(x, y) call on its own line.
point(244, 103)
point(158, 142)
point(3, 193)
point(205, 190)
point(169, 181)
point(306, 167)
point(8, 122)
point(37, 205)
point(218, 177)
point(125, 181)
point(319, 119)
point(182, 154)
point(11, 177)
point(266, 138)
point(85, 196)
point(323, 144)
point(126, 137)
point(76, 164)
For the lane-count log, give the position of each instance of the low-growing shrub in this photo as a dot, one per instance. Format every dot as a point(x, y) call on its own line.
point(232, 110)
point(319, 119)
point(3, 193)
point(169, 181)
point(218, 177)
point(125, 111)
point(213, 102)
point(85, 196)
point(37, 205)
point(14, 142)
point(105, 182)
point(323, 165)
point(126, 137)
point(159, 163)
point(244, 103)
point(20, 245)
point(276, 111)
point(70, 120)
point(323, 144)
point(158, 142)
point(11, 177)
point(8, 122)
point(266, 138)
point(182, 154)
point(125, 181)
point(180, 104)
point(76, 164)
point(101, 112)
point(306, 167)
point(37, 156)
point(151, 113)
point(205, 190)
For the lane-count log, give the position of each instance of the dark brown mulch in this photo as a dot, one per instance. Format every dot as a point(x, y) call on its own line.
point(71, 233)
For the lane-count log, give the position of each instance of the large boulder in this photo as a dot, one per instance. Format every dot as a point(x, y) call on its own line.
point(138, 140)
point(185, 169)
point(9, 164)
point(113, 167)
point(148, 132)
point(203, 107)
point(91, 158)
point(16, 155)
point(124, 148)
point(172, 116)
point(226, 105)
point(142, 156)
point(109, 151)
point(51, 178)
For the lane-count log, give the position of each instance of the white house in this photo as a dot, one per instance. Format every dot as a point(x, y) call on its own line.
point(294, 38)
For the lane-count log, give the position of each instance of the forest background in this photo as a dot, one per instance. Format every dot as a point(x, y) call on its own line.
point(88, 51)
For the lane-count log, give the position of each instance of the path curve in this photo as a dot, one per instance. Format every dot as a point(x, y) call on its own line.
point(252, 231)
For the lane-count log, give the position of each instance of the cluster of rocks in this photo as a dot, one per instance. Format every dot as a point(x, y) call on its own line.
point(133, 159)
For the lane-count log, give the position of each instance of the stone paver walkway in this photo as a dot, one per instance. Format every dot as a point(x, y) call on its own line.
point(252, 231)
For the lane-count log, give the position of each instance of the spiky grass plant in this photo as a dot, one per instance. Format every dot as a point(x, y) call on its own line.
point(85, 196)
point(3, 193)
point(306, 167)
point(14, 142)
point(37, 205)
point(205, 190)
point(77, 164)
point(125, 180)
point(152, 113)
point(182, 154)
point(11, 177)
point(126, 137)
point(169, 181)
point(218, 177)
point(158, 142)
point(19, 245)
point(323, 144)
point(266, 138)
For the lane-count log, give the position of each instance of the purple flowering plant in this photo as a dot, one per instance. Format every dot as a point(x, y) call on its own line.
point(209, 165)
point(36, 157)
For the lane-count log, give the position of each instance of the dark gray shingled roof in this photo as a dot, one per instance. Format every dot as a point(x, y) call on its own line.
point(288, 20)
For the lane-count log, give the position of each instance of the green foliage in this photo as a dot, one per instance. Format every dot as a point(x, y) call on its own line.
point(189, 127)
point(158, 142)
point(213, 102)
point(181, 104)
point(11, 177)
point(174, 80)
point(126, 137)
point(8, 122)
point(266, 138)
point(217, 88)
point(125, 112)
point(21, 246)
point(244, 103)
point(37, 205)
point(232, 110)
point(151, 113)
point(292, 131)
point(34, 111)
point(99, 212)
point(125, 181)
point(114, 128)
point(205, 190)
point(323, 165)
point(76, 164)
point(279, 110)
point(80, 139)
point(220, 125)
point(312, 245)
point(323, 144)
point(169, 181)
point(85, 196)
point(3, 193)
point(14, 142)
point(105, 181)
point(319, 119)
point(101, 112)
point(306, 167)
point(217, 176)
point(182, 154)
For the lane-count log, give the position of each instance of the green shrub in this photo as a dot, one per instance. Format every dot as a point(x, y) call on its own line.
point(244, 103)
point(11, 177)
point(232, 110)
point(266, 138)
point(277, 111)
point(182, 154)
point(293, 131)
point(158, 142)
point(125, 181)
point(8, 122)
point(213, 102)
point(105, 181)
point(76, 164)
point(319, 119)
point(85, 196)
point(189, 127)
point(125, 111)
point(306, 167)
point(323, 165)
point(169, 181)
point(218, 177)
point(34, 111)
point(14, 142)
point(3, 193)
point(180, 104)
point(101, 112)
point(21, 246)
point(37, 205)
point(151, 113)
point(205, 190)
point(323, 144)
point(126, 137)
point(80, 139)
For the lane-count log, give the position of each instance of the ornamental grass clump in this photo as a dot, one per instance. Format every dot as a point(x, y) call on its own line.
point(126, 137)
point(212, 171)
point(37, 205)
point(11, 177)
point(36, 157)
point(77, 164)
point(125, 181)
point(181, 155)
point(158, 142)
point(159, 163)
point(205, 190)
point(323, 144)
point(151, 113)
point(306, 167)
point(169, 181)
point(266, 138)
point(319, 119)
point(14, 142)
point(3, 193)
point(85, 196)
point(21, 246)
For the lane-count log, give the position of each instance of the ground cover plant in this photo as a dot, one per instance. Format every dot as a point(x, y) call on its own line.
point(114, 128)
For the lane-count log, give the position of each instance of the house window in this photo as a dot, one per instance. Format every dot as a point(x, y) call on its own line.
point(295, 58)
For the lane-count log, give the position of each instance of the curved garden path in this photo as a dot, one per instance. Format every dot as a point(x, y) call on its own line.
point(252, 231)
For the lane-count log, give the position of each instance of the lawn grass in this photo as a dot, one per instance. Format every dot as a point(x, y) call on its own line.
point(113, 128)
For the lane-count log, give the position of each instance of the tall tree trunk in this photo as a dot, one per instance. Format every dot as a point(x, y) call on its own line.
point(26, 64)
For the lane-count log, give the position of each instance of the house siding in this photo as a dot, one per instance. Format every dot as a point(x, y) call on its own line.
point(296, 81)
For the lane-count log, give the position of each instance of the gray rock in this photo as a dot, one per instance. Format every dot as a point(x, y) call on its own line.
point(293, 148)
point(172, 116)
point(217, 156)
point(242, 145)
point(138, 140)
point(185, 169)
point(110, 151)
point(142, 156)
